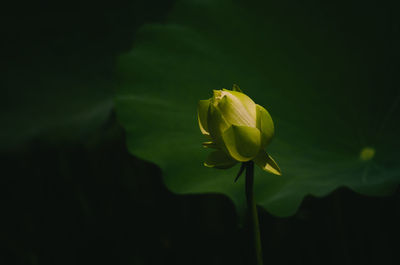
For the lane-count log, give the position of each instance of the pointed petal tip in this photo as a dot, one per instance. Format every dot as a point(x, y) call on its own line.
point(275, 172)
point(235, 87)
point(207, 165)
point(267, 163)
point(270, 169)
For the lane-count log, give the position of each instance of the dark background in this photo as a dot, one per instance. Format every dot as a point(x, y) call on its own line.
point(86, 200)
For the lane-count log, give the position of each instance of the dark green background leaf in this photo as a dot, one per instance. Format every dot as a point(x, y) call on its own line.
point(58, 66)
point(330, 92)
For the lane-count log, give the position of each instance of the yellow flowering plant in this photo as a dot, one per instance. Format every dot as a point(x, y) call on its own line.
point(237, 128)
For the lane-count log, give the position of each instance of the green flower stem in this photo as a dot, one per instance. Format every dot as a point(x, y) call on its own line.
point(252, 210)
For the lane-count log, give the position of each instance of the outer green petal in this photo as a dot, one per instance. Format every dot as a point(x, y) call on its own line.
point(216, 125)
point(237, 108)
point(267, 163)
point(265, 125)
point(243, 143)
point(210, 145)
point(219, 159)
point(202, 112)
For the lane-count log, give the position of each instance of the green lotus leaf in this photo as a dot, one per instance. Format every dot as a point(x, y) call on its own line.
point(326, 102)
point(55, 100)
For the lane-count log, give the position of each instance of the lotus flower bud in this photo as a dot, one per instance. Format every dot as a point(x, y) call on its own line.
point(237, 128)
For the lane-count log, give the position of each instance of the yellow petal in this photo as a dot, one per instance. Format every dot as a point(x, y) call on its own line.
point(216, 124)
point(202, 112)
point(265, 125)
point(219, 159)
point(243, 143)
point(237, 108)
